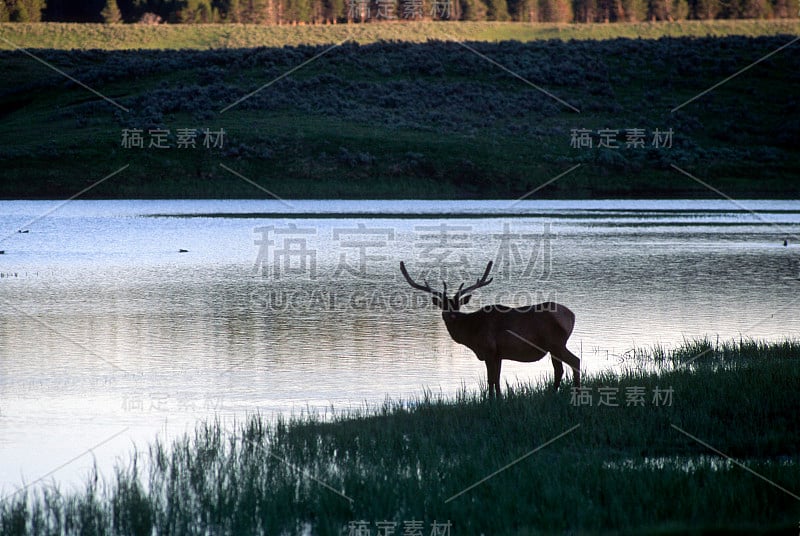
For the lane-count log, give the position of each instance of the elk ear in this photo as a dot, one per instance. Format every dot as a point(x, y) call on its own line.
point(465, 299)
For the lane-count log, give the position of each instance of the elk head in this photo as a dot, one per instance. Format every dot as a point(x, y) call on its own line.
point(449, 305)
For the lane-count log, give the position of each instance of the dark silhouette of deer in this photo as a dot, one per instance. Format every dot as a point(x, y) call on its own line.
point(497, 332)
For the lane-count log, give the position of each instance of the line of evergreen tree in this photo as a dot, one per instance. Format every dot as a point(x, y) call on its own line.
point(332, 11)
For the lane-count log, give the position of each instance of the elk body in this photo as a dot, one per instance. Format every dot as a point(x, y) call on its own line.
point(497, 332)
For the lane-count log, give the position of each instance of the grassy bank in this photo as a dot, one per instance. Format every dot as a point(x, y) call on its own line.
point(626, 468)
point(65, 36)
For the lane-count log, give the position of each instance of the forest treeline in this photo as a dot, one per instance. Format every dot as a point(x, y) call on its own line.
point(353, 11)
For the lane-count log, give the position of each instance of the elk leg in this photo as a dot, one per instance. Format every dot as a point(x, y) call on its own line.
point(490, 376)
point(573, 361)
point(497, 377)
point(493, 376)
point(558, 369)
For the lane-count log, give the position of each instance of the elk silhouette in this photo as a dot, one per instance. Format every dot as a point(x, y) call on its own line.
point(497, 332)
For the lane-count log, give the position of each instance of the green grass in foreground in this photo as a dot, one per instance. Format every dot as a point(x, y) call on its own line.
point(65, 36)
point(624, 469)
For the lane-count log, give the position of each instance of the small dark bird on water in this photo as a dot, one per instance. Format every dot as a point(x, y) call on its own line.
point(183, 251)
point(23, 231)
point(785, 243)
point(2, 252)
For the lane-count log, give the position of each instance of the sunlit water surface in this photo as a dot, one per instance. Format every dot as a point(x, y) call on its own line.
point(110, 336)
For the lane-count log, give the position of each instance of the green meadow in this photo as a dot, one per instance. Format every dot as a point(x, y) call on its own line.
point(703, 439)
point(418, 110)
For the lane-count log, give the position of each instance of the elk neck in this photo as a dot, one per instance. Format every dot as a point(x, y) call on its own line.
point(461, 326)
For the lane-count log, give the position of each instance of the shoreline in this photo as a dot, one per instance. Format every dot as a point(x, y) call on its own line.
point(270, 477)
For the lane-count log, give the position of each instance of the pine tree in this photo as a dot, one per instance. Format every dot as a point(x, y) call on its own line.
point(658, 9)
point(334, 10)
point(755, 9)
point(110, 13)
point(561, 11)
point(785, 8)
point(297, 11)
point(633, 10)
point(604, 10)
point(554, 11)
point(678, 10)
point(260, 11)
point(197, 12)
point(35, 9)
point(728, 9)
point(521, 10)
point(19, 12)
point(474, 10)
point(497, 10)
point(706, 9)
point(231, 10)
point(585, 10)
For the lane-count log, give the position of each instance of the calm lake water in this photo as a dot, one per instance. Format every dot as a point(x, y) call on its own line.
point(110, 336)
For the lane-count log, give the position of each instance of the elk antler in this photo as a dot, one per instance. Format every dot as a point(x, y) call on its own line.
point(426, 287)
point(482, 282)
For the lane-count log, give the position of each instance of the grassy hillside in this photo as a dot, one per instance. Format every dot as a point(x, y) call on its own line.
point(434, 119)
point(626, 466)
